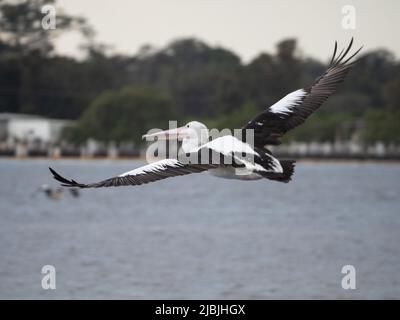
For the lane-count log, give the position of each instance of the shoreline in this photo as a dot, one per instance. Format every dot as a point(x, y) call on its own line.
point(305, 159)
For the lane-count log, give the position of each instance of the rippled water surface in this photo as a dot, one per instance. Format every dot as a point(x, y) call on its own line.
point(200, 237)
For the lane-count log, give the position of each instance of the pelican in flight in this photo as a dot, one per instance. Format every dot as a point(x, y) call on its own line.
point(238, 159)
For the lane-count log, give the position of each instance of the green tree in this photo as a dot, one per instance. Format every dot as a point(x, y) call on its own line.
point(391, 92)
point(123, 115)
point(269, 78)
point(29, 44)
point(235, 119)
point(370, 74)
point(21, 25)
point(201, 80)
point(382, 125)
point(320, 127)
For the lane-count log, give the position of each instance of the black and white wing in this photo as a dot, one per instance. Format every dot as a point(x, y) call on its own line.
point(294, 109)
point(151, 172)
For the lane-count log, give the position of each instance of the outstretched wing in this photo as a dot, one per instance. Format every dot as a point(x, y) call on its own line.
point(294, 109)
point(152, 172)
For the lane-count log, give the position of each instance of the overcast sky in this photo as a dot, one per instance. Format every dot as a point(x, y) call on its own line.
point(247, 27)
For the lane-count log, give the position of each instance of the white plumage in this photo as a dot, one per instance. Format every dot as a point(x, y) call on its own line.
point(158, 166)
point(286, 104)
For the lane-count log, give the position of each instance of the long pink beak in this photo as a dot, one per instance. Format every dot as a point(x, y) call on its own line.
point(172, 134)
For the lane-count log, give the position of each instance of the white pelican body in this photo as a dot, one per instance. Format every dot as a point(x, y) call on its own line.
point(195, 139)
point(232, 173)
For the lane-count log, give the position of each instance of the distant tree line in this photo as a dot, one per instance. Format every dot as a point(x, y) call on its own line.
point(119, 97)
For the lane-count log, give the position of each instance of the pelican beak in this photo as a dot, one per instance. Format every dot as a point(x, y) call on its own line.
point(172, 134)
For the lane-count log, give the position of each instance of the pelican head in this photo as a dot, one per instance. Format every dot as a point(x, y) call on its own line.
point(193, 134)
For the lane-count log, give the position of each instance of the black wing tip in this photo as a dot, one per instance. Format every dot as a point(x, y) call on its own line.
point(339, 60)
point(65, 182)
point(334, 53)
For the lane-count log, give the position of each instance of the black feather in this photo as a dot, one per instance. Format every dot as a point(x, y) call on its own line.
point(270, 126)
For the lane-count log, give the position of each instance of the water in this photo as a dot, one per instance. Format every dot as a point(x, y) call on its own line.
point(200, 237)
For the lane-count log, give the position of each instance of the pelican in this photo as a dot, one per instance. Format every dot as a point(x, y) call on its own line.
point(237, 159)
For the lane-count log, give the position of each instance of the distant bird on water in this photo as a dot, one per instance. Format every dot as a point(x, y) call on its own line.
point(55, 194)
point(50, 192)
point(267, 127)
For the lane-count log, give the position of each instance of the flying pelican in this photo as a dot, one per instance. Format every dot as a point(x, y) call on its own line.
point(257, 163)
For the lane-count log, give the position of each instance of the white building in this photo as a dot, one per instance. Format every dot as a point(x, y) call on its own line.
point(29, 128)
